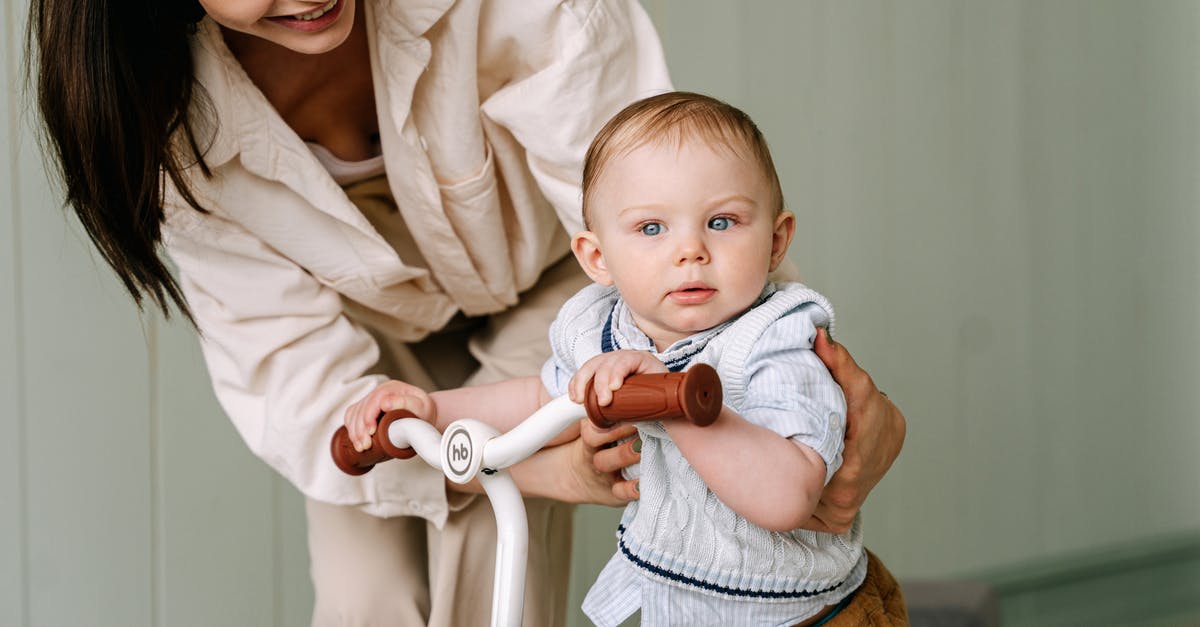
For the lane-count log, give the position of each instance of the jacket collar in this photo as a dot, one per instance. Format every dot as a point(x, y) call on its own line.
point(413, 18)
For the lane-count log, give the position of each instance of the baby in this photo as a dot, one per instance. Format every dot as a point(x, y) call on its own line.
point(684, 217)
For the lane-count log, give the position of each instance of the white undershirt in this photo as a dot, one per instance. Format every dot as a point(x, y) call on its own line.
point(346, 172)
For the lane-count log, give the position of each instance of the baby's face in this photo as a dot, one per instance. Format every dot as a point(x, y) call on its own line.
point(687, 234)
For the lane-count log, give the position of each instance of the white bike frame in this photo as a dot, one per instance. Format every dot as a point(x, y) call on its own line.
point(470, 449)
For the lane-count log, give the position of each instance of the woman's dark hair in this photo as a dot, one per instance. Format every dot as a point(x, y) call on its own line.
point(115, 90)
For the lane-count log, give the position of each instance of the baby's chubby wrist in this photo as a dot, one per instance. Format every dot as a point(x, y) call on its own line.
point(682, 429)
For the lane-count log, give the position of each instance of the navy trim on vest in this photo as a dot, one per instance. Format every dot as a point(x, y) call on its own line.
point(682, 362)
point(606, 338)
point(608, 344)
point(741, 592)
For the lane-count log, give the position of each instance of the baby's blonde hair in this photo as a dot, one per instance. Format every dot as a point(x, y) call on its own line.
point(676, 117)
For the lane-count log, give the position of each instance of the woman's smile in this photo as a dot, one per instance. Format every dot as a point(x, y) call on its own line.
point(312, 21)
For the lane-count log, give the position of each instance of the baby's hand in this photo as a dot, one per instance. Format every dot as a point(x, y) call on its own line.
point(363, 416)
point(610, 370)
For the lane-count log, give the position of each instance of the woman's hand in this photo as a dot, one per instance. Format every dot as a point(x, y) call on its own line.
point(611, 451)
point(595, 485)
point(363, 416)
point(568, 473)
point(874, 435)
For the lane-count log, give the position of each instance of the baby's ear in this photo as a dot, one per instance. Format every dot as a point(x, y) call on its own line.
point(785, 228)
point(586, 247)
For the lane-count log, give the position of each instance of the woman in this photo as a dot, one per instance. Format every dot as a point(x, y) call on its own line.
point(353, 191)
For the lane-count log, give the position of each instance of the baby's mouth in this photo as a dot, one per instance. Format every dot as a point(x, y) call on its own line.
point(692, 293)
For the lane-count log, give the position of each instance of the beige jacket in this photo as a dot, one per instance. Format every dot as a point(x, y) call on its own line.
point(486, 109)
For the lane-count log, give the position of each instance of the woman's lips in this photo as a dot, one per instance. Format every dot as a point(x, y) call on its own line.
point(321, 23)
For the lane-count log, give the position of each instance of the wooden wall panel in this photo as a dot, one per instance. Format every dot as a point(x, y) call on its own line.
point(84, 437)
point(1111, 99)
point(87, 408)
point(293, 591)
point(218, 534)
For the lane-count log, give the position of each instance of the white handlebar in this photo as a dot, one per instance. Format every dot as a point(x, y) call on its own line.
point(421, 436)
point(471, 449)
point(531, 435)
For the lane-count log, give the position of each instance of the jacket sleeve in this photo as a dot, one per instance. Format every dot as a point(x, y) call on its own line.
point(604, 55)
point(285, 362)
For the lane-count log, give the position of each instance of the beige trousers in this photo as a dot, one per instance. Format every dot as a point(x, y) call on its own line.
point(405, 571)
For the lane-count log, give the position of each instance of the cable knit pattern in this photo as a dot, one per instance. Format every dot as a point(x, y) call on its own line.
point(678, 532)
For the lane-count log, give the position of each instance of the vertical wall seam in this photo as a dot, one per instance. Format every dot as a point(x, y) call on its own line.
point(1026, 61)
point(22, 435)
point(1195, 39)
point(276, 555)
point(157, 532)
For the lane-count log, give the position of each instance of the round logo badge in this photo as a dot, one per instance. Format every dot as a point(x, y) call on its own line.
point(458, 451)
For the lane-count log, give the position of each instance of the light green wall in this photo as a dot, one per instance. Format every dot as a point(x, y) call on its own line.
point(999, 197)
point(12, 463)
point(1001, 201)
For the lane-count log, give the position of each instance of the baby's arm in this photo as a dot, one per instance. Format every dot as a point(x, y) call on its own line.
point(771, 462)
point(770, 480)
point(502, 405)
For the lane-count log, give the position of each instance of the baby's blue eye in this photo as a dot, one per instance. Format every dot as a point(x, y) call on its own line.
point(720, 223)
point(652, 228)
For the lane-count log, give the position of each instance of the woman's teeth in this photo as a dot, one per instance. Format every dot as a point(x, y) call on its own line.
point(307, 17)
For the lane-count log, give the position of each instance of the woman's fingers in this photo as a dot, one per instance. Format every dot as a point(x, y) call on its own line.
point(612, 450)
point(875, 431)
point(617, 457)
point(596, 437)
point(626, 490)
point(588, 484)
point(854, 381)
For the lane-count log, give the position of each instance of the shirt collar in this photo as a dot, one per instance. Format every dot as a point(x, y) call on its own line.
point(414, 17)
point(627, 335)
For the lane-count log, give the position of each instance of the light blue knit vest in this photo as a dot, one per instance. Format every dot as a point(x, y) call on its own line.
point(678, 531)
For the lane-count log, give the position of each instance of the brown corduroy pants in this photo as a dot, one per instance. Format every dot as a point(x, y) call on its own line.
point(878, 601)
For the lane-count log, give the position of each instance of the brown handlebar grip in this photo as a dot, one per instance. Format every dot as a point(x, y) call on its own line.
point(356, 463)
point(694, 395)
